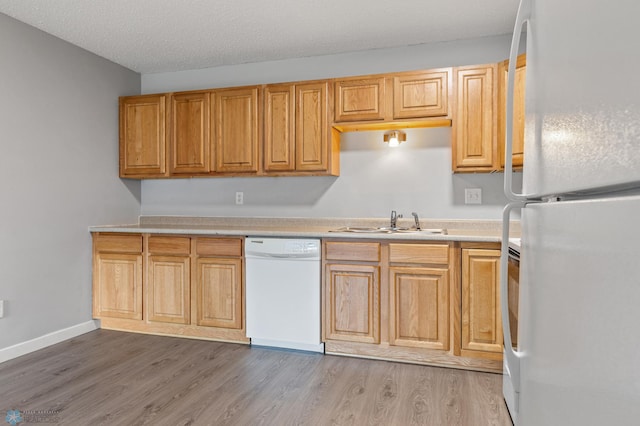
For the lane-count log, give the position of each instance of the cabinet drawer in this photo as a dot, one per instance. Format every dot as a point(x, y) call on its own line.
point(419, 253)
point(169, 245)
point(118, 243)
point(219, 247)
point(369, 252)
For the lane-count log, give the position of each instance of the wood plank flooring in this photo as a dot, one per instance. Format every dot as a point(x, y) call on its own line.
point(115, 378)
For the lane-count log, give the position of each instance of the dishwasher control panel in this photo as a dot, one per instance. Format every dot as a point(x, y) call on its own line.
point(301, 246)
point(282, 247)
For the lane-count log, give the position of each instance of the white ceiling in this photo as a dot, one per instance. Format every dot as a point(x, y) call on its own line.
point(151, 36)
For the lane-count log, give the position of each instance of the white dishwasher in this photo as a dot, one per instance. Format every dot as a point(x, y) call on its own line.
point(283, 293)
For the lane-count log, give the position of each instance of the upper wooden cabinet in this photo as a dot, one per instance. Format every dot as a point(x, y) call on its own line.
point(189, 135)
point(312, 126)
point(359, 99)
point(423, 94)
point(475, 128)
point(389, 97)
point(478, 142)
point(297, 133)
point(279, 127)
point(518, 110)
point(296, 129)
point(237, 125)
point(143, 148)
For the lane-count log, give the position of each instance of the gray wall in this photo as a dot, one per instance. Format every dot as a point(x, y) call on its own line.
point(374, 179)
point(58, 175)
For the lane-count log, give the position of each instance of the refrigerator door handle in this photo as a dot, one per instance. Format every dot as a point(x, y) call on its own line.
point(522, 18)
point(512, 357)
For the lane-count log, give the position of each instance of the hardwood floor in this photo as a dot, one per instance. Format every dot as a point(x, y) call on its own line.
point(115, 378)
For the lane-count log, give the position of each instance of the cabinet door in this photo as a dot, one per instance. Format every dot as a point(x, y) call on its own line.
point(474, 127)
point(360, 99)
point(481, 317)
point(419, 307)
point(352, 306)
point(518, 110)
point(117, 288)
point(142, 136)
point(421, 95)
point(237, 128)
point(312, 128)
point(279, 137)
point(190, 119)
point(168, 289)
point(219, 292)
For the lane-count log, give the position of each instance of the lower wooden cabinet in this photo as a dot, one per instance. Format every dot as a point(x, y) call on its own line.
point(117, 276)
point(219, 292)
point(168, 292)
point(173, 285)
point(419, 307)
point(351, 291)
point(353, 302)
point(422, 302)
point(434, 303)
point(168, 287)
point(481, 315)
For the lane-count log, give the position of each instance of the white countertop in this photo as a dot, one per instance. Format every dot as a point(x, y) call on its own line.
point(456, 230)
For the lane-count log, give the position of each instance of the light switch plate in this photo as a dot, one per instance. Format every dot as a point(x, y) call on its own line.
point(473, 195)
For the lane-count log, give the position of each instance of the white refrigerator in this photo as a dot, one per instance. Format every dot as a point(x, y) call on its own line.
point(577, 360)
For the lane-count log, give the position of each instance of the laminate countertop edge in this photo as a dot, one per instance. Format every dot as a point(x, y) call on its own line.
point(456, 230)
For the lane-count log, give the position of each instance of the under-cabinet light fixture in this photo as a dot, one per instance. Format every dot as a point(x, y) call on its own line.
point(394, 137)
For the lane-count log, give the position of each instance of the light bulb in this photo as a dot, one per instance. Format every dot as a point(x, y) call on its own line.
point(393, 141)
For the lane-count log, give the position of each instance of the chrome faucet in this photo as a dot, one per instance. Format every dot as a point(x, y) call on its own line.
point(394, 219)
point(415, 217)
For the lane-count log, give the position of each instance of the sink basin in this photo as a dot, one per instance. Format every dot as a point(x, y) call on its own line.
point(363, 230)
point(424, 230)
point(386, 230)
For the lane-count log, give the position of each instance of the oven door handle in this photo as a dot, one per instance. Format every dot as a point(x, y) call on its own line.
point(512, 357)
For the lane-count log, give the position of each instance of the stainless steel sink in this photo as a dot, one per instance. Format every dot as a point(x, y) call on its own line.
point(363, 230)
point(387, 230)
point(422, 230)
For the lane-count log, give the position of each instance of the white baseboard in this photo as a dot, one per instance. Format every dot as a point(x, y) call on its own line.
point(47, 340)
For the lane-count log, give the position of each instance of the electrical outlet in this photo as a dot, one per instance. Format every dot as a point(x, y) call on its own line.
point(1, 308)
point(239, 197)
point(473, 195)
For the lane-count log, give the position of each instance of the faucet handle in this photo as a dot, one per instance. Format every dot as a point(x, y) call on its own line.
point(394, 219)
point(417, 220)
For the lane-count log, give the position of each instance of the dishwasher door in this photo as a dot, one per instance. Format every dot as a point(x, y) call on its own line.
point(283, 293)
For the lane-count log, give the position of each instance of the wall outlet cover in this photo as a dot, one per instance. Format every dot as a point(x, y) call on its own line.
point(473, 195)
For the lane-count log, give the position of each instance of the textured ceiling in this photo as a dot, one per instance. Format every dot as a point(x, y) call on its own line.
point(152, 36)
